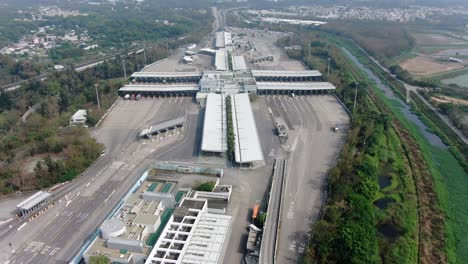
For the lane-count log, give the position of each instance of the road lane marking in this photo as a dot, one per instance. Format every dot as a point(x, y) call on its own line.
point(110, 195)
point(21, 227)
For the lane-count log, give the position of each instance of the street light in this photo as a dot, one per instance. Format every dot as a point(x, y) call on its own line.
point(355, 96)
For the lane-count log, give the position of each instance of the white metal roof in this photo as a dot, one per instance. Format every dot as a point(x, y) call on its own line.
point(223, 39)
point(206, 243)
point(305, 86)
point(167, 74)
point(227, 39)
point(247, 143)
point(221, 60)
point(309, 73)
point(220, 40)
point(78, 115)
point(159, 88)
point(214, 127)
point(163, 125)
point(208, 50)
point(238, 63)
point(33, 200)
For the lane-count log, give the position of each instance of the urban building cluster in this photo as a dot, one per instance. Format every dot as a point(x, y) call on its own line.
point(40, 41)
point(402, 15)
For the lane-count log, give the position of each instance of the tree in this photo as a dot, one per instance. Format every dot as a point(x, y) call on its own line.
point(99, 260)
point(206, 186)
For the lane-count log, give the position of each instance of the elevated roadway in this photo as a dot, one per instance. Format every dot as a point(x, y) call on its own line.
point(270, 229)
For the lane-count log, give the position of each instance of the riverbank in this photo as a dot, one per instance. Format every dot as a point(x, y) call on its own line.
point(451, 182)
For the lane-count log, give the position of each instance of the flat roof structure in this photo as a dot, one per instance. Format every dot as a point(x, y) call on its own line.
point(207, 51)
point(309, 73)
point(135, 88)
point(126, 237)
point(167, 74)
point(33, 200)
point(223, 39)
point(221, 60)
point(219, 42)
point(173, 123)
point(192, 235)
point(297, 86)
point(247, 142)
point(214, 126)
point(238, 63)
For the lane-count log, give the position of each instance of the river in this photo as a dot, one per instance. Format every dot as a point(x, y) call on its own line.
point(403, 107)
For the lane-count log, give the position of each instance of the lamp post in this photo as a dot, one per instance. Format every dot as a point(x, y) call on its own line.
point(355, 96)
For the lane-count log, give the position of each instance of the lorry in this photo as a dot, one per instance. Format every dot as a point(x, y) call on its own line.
point(255, 211)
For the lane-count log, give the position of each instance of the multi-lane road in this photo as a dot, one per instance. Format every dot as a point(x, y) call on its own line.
point(313, 148)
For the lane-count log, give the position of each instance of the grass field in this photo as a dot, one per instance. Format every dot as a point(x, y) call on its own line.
point(461, 80)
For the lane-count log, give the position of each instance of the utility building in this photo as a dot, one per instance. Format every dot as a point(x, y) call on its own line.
point(78, 118)
point(34, 203)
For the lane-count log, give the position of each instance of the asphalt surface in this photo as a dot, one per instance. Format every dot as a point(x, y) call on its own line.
point(56, 235)
point(313, 149)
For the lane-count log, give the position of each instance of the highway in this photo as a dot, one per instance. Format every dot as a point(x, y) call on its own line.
point(270, 230)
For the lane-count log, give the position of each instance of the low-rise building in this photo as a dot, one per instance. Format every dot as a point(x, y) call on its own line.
point(192, 235)
point(78, 118)
point(32, 204)
point(124, 238)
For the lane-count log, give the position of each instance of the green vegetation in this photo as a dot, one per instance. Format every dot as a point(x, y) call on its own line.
point(153, 238)
point(382, 40)
point(13, 71)
point(45, 134)
point(99, 260)
point(230, 129)
point(449, 178)
point(206, 186)
point(456, 113)
point(260, 220)
point(230, 60)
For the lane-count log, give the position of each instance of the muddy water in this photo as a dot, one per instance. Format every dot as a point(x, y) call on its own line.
point(403, 107)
